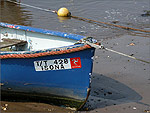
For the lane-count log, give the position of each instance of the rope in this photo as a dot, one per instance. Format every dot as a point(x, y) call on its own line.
point(99, 46)
point(127, 55)
point(47, 10)
point(44, 53)
point(119, 26)
point(81, 18)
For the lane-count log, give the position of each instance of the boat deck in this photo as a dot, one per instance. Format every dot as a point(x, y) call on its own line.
point(11, 42)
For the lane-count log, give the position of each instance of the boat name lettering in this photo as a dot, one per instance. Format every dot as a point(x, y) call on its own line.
point(57, 64)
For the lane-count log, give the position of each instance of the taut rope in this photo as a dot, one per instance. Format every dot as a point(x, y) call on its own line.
point(101, 47)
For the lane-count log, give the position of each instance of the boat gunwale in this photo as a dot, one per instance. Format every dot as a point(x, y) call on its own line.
point(43, 51)
point(47, 32)
point(43, 31)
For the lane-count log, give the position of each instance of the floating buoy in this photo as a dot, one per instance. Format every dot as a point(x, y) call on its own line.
point(63, 12)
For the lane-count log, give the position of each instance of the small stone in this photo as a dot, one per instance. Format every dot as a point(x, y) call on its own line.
point(4, 108)
point(115, 22)
point(1, 84)
point(86, 109)
point(92, 99)
point(109, 93)
point(134, 108)
point(9, 88)
point(147, 111)
point(6, 105)
point(96, 57)
point(131, 54)
point(64, 26)
point(49, 110)
point(131, 44)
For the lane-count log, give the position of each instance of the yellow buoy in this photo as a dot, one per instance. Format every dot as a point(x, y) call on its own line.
point(64, 12)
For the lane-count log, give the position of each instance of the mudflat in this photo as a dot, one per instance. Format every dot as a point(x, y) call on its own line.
point(119, 84)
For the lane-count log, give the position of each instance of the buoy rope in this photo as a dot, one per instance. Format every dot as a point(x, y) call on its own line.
point(81, 18)
point(119, 26)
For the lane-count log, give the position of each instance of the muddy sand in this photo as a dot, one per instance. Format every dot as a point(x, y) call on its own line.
point(119, 84)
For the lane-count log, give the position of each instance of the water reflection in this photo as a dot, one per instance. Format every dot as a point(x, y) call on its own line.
point(62, 19)
point(14, 14)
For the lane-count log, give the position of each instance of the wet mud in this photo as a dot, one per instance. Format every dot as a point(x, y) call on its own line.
point(119, 84)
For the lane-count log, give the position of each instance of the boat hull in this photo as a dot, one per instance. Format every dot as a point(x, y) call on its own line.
point(50, 66)
point(66, 86)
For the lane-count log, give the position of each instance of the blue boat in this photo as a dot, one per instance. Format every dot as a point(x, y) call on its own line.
point(51, 65)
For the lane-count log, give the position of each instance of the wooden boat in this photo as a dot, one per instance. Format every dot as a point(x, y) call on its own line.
point(45, 64)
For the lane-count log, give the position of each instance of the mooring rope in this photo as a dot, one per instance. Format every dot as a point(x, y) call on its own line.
point(81, 18)
point(90, 20)
point(119, 26)
point(127, 55)
point(120, 53)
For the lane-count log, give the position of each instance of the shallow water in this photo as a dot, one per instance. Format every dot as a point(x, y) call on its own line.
point(126, 13)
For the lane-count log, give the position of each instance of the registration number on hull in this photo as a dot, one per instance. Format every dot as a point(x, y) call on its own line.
point(57, 64)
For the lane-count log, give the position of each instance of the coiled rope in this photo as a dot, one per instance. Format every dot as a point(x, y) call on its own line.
point(81, 18)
